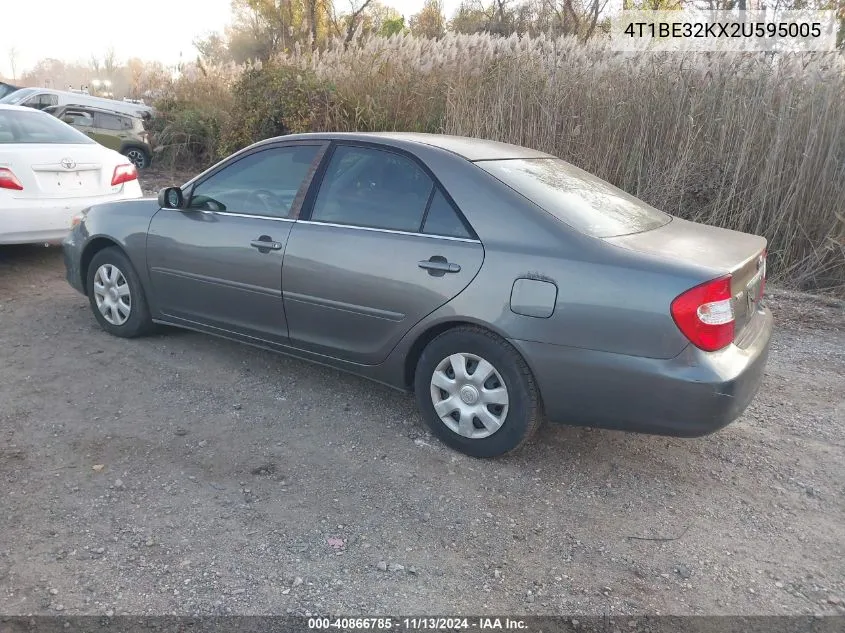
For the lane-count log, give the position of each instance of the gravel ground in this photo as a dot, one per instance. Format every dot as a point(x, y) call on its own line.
point(189, 475)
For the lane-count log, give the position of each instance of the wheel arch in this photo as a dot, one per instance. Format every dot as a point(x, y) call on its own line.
point(132, 145)
point(434, 330)
point(94, 246)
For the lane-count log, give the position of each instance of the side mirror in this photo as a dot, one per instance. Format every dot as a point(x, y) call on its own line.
point(171, 198)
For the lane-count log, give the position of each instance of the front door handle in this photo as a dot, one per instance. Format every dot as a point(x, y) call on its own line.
point(265, 244)
point(438, 266)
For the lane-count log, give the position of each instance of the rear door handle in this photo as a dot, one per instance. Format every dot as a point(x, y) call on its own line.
point(266, 245)
point(439, 265)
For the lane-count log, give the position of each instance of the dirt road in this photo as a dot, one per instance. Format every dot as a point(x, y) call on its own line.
point(184, 474)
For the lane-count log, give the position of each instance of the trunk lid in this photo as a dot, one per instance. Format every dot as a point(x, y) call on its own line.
point(59, 171)
point(743, 255)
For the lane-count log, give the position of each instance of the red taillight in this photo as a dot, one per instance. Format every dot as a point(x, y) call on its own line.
point(124, 173)
point(8, 180)
point(705, 314)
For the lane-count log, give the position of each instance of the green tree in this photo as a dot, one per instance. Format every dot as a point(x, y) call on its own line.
point(392, 26)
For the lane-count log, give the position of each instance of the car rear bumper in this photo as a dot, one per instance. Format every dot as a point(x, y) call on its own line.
point(693, 394)
point(48, 221)
point(72, 253)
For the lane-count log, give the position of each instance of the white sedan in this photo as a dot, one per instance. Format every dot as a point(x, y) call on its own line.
point(49, 172)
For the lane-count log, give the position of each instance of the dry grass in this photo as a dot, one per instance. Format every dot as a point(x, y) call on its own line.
point(743, 141)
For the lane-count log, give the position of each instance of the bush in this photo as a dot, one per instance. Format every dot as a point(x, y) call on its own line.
point(273, 99)
point(191, 114)
point(186, 136)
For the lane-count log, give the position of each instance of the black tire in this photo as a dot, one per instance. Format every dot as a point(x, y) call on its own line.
point(138, 156)
point(139, 321)
point(523, 416)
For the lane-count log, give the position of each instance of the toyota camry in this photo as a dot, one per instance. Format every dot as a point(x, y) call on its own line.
point(49, 172)
point(499, 284)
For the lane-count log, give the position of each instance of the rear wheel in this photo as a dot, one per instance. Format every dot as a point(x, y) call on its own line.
point(116, 295)
point(476, 393)
point(137, 157)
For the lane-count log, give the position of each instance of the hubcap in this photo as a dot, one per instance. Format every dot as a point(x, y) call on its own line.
point(469, 395)
point(136, 157)
point(111, 293)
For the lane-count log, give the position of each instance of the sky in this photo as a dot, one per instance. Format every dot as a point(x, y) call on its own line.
point(148, 29)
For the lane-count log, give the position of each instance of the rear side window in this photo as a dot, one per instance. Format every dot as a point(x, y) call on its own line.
point(373, 188)
point(30, 126)
point(576, 197)
point(110, 121)
point(442, 219)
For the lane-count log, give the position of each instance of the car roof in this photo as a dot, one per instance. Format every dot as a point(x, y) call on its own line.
point(82, 106)
point(470, 148)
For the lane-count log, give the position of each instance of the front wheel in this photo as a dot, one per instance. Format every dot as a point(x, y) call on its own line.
point(476, 393)
point(116, 295)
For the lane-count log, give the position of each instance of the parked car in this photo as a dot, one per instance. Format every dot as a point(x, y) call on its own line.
point(120, 132)
point(49, 172)
point(7, 89)
point(40, 98)
point(500, 284)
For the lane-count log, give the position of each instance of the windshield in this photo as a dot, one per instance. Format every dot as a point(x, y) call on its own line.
point(17, 95)
point(576, 197)
point(7, 89)
point(33, 126)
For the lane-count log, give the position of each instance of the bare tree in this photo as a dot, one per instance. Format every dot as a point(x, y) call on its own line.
point(13, 62)
point(110, 62)
point(352, 21)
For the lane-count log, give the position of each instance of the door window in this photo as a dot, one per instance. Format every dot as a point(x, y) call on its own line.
point(41, 101)
point(78, 119)
point(263, 183)
point(108, 121)
point(373, 188)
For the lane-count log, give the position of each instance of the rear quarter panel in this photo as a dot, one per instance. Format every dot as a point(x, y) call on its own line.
point(608, 298)
point(603, 303)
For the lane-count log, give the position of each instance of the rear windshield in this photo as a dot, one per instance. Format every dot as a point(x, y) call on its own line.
point(32, 126)
point(576, 197)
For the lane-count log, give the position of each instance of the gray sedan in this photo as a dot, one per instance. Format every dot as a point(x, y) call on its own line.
point(500, 284)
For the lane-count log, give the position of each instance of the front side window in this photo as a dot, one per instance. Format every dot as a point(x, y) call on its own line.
point(78, 119)
point(27, 126)
point(263, 183)
point(373, 188)
point(41, 101)
point(576, 197)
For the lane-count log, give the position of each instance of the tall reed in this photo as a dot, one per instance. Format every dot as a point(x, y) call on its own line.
point(745, 141)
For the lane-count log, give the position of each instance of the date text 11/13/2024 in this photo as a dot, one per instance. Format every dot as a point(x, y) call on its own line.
point(416, 624)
